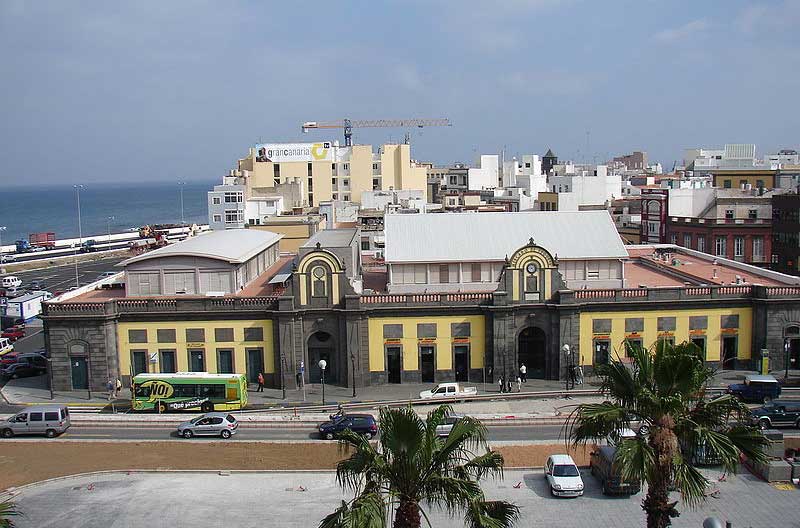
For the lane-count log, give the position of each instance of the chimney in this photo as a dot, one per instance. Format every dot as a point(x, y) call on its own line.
point(714, 273)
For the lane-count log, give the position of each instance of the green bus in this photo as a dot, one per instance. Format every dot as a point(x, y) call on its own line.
point(179, 391)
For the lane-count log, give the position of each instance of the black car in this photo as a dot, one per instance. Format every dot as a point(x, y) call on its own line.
point(777, 413)
point(358, 423)
point(21, 370)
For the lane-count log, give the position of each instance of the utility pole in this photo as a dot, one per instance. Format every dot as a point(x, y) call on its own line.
point(80, 236)
point(109, 220)
point(353, 361)
point(2, 228)
point(182, 184)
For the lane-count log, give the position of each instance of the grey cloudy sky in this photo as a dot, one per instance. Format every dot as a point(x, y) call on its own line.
point(154, 90)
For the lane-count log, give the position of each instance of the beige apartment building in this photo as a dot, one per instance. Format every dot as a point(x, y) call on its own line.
point(326, 171)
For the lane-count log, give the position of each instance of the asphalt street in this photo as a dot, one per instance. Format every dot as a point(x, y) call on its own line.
point(503, 433)
point(161, 432)
point(58, 278)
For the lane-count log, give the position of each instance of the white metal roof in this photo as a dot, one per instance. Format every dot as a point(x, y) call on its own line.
point(462, 237)
point(280, 278)
point(233, 245)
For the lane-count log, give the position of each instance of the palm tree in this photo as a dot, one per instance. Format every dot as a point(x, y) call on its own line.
point(8, 509)
point(411, 464)
point(664, 392)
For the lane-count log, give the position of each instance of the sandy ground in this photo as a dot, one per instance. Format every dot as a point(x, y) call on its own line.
point(24, 462)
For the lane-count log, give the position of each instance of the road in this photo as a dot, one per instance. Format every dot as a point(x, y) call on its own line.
point(62, 277)
point(161, 432)
point(502, 433)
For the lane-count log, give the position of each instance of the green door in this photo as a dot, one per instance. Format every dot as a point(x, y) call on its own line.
point(80, 373)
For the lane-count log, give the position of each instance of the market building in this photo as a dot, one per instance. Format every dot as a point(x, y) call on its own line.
point(541, 293)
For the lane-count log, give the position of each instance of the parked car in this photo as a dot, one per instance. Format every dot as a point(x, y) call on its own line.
point(8, 359)
point(7, 258)
point(210, 424)
point(13, 334)
point(563, 476)
point(37, 284)
point(35, 360)
point(448, 390)
point(777, 413)
point(601, 463)
point(48, 420)
point(756, 388)
point(358, 423)
point(106, 274)
point(449, 421)
point(10, 281)
point(5, 346)
point(21, 370)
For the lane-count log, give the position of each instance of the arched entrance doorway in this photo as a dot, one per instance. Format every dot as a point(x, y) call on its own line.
point(321, 346)
point(532, 351)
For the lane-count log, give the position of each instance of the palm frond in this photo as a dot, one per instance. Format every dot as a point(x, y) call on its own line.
point(689, 481)
point(489, 463)
point(364, 464)
point(635, 459)
point(750, 441)
point(365, 511)
point(594, 421)
point(491, 514)
point(8, 509)
point(451, 493)
point(401, 431)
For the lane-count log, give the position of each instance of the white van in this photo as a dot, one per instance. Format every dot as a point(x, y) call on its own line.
point(10, 281)
point(5, 346)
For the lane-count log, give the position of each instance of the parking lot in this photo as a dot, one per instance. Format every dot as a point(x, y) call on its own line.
point(301, 499)
point(58, 278)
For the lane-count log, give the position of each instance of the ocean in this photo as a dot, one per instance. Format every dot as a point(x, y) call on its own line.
point(25, 210)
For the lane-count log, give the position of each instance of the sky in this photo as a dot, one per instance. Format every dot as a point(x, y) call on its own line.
point(97, 91)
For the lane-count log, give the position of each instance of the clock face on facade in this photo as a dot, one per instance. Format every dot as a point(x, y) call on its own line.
point(318, 272)
point(530, 268)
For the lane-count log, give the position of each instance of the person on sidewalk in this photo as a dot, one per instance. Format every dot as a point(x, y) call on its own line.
point(110, 387)
point(502, 384)
point(117, 388)
point(523, 373)
point(260, 382)
point(519, 384)
point(579, 375)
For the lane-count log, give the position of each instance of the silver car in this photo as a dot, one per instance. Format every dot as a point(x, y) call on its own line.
point(210, 424)
point(48, 420)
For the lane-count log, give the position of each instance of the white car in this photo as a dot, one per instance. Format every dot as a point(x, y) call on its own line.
point(447, 390)
point(7, 258)
point(563, 476)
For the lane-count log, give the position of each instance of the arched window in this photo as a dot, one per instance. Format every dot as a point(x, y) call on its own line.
point(319, 282)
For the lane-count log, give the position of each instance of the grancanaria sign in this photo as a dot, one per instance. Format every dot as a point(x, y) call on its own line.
point(286, 152)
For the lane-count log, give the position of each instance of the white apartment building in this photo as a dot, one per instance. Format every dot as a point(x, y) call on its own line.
point(585, 186)
point(486, 175)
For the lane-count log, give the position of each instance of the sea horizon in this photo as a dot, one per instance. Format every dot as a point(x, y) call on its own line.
point(118, 206)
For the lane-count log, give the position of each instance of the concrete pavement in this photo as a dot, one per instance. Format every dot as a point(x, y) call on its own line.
point(302, 499)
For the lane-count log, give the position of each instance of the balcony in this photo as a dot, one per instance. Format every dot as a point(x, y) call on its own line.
point(656, 294)
point(427, 299)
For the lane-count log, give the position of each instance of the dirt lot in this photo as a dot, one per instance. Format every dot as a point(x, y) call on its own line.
point(26, 462)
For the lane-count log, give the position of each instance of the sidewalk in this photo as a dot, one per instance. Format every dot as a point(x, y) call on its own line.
point(34, 391)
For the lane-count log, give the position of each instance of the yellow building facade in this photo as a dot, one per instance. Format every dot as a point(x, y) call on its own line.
point(342, 173)
point(222, 346)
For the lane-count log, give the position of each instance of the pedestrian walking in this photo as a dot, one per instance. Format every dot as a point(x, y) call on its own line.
point(298, 378)
point(523, 373)
point(110, 387)
point(519, 384)
point(502, 384)
point(260, 382)
point(117, 388)
point(510, 385)
point(579, 375)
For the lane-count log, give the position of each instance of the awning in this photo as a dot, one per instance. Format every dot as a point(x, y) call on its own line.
point(280, 278)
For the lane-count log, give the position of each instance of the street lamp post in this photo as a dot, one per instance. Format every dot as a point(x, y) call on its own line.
point(786, 347)
point(353, 361)
point(182, 184)
point(568, 359)
point(322, 364)
point(80, 232)
point(283, 377)
point(109, 220)
point(2, 228)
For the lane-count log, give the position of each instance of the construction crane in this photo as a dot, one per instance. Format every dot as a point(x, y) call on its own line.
point(348, 125)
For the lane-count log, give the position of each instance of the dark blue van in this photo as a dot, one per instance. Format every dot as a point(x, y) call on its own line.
point(756, 388)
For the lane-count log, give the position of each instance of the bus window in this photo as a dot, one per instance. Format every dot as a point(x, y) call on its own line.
point(184, 390)
point(212, 391)
point(142, 392)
